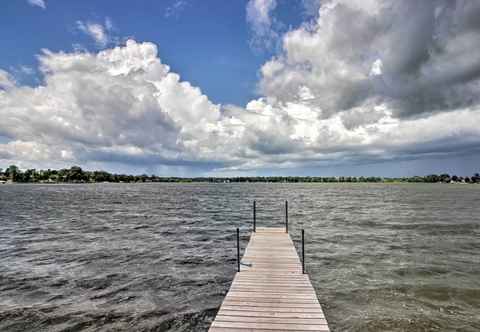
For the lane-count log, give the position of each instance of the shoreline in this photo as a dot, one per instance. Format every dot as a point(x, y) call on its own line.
point(235, 182)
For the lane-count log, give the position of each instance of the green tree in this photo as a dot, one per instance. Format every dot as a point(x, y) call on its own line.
point(432, 178)
point(29, 175)
point(445, 177)
point(75, 173)
point(476, 178)
point(13, 173)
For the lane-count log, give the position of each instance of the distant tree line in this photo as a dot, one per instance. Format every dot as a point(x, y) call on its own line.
point(75, 174)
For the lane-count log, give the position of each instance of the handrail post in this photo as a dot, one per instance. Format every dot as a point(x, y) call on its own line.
point(254, 216)
point(238, 250)
point(303, 251)
point(286, 216)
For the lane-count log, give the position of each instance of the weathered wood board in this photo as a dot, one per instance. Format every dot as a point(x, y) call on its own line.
point(272, 294)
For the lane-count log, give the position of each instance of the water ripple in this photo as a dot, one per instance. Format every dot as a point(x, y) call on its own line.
point(158, 257)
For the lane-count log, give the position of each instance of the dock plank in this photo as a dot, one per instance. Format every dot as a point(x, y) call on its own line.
point(270, 293)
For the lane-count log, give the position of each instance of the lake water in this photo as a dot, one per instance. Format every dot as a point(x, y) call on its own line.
point(160, 257)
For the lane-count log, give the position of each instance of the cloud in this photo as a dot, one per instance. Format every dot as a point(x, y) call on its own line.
point(27, 70)
point(6, 80)
point(119, 104)
point(337, 94)
point(108, 24)
point(38, 3)
point(97, 31)
point(311, 7)
point(262, 24)
point(419, 67)
point(175, 8)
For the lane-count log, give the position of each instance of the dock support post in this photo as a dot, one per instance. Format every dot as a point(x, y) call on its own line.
point(238, 250)
point(303, 251)
point(286, 216)
point(254, 216)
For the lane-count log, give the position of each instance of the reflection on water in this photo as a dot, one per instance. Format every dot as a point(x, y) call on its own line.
point(160, 257)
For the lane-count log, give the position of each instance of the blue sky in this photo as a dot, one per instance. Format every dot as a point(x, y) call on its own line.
point(207, 42)
point(184, 87)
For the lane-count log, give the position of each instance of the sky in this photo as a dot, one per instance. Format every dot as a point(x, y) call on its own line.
point(253, 87)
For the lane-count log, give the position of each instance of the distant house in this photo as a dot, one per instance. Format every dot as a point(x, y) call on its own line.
point(49, 180)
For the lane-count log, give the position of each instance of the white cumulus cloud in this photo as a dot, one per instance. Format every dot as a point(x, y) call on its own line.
point(261, 22)
point(6, 80)
point(38, 3)
point(97, 31)
point(363, 53)
point(175, 8)
point(120, 105)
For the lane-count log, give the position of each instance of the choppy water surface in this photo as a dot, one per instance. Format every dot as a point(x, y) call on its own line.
point(158, 257)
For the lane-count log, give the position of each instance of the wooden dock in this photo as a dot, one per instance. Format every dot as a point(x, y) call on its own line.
point(270, 293)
